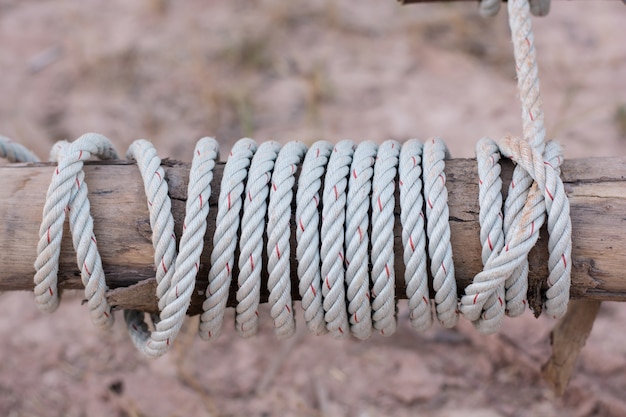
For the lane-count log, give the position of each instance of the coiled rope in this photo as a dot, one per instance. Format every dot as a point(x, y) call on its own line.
point(344, 221)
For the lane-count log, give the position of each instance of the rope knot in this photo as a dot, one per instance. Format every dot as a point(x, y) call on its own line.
point(524, 155)
point(508, 267)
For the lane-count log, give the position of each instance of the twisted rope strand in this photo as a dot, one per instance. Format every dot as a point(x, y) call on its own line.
point(251, 241)
point(491, 228)
point(516, 285)
point(14, 152)
point(383, 204)
point(68, 190)
point(278, 234)
point(544, 169)
point(308, 235)
point(332, 237)
point(560, 230)
point(414, 235)
point(185, 266)
point(164, 243)
point(533, 126)
point(489, 8)
point(225, 238)
point(357, 240)
point(438, 230)
point(533, 129)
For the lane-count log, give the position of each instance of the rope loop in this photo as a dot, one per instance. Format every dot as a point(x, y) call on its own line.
point(225, 238)
point(358, 239)
point(414, 235)
point(67, 194)
point(332, 239)
point(308, 201)
point(278, 233)
point(438, 232)
point(175, 274)
point(251, 241)
point(383, 205)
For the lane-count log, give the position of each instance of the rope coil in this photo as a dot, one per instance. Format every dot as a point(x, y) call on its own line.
point(344, 221)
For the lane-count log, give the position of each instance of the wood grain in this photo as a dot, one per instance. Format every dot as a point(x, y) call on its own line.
point(596, 188)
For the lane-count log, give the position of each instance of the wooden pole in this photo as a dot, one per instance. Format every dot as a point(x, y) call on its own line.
point(596, 188)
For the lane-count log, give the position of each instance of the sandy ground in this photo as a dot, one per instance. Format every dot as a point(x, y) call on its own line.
point(301, 70)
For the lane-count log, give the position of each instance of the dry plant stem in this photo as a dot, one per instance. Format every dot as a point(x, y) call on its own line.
point(568, 338)
point(596, 188)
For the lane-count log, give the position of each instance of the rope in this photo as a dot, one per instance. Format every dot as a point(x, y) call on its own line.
point(278, 233)
point(251, 240)
point(332, 238)
point(413, 235)
point(491, 227)
point(383, 203)
point(225, 238)
point(307, 235)
point(357, 239)
point(438, 231)
point(539, 161)
point(175, 275)
point(14, 152)
point(490, 8)
point(352, 188)
point(68, 193)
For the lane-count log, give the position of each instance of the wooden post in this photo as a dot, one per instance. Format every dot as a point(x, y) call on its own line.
point(596, 188)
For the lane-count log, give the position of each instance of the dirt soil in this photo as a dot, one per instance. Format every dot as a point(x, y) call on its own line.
point(174, 71)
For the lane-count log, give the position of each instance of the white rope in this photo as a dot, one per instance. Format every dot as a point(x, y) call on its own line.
point(339, 294)
point(546, 194)
point(251, 241)
point(516, 285)
point(546, 160)
point(332, 237)
point(544, 169)
point(176, 277)
point(491, 228)
point(489, 8)
point(14, 152)
point(225, 238)
point(68, 191)
point(383, 204)
point(357, 239)
point(163, 241)
point(278, 234)
point(308, 235)
point(438, 231)
point(414, 235)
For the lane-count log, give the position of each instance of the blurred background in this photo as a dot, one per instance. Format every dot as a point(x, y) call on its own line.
point(172, 72)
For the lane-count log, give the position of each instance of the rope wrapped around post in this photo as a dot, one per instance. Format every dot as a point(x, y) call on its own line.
point(344, 206)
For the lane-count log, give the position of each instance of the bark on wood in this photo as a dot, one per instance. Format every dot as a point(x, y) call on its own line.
point(596, 187)
point(568, 338)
